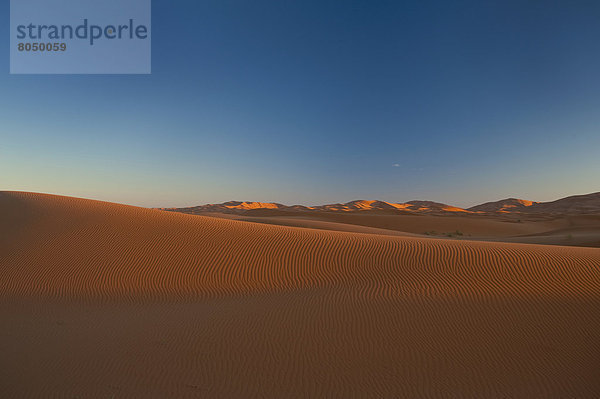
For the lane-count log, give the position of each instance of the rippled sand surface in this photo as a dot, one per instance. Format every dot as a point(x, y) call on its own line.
point(100, 300)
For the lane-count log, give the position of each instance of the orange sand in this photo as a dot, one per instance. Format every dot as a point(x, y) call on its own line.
point(102, 300)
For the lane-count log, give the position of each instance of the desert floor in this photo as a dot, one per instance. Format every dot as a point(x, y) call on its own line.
point(564, 230)
point(100, 300)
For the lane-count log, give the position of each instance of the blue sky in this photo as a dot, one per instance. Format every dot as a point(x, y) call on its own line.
point(322, 101)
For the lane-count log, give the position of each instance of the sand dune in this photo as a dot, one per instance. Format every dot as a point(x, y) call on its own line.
point(506, 205)
point(579, 230)
point(426, 207)
point(587, 204)
point(432, 226)
point(315, 224)
point(107, 300)
point(571, 221)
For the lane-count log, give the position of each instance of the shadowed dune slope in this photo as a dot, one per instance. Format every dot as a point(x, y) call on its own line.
point(60, 246)
point(99, 300)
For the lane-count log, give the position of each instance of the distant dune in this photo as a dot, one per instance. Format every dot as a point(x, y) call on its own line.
point(106, 300)
point(507, 205)
point(572, 221)
point(588, 204)
point(577, 204)
point(352, 206)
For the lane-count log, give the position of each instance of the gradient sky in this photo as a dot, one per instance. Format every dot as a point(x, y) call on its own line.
point(322, 101)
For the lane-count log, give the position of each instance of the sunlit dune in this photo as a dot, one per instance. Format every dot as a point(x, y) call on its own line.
point(588, 204)
point(507, 205)
point(525, 202)
point(454, 209)
point(106, 300)
point(363, 204)
point(400, 206)
point(352, 206)
point(254, 205)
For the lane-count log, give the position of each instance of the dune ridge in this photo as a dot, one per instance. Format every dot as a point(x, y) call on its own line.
point(150, 253)
point(425, 207)
point(587, 204)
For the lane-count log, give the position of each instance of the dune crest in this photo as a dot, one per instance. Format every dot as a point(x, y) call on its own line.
point(588, 204)
point(154, 253)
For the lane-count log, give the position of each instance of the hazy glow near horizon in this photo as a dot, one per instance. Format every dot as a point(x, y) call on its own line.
point(317, 102)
